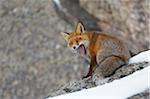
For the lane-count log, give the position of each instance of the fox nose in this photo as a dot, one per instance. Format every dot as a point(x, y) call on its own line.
point(74, 47)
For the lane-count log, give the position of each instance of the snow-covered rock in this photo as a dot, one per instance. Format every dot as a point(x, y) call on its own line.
point(141, 57)
point(118, 89)
point(125, 82)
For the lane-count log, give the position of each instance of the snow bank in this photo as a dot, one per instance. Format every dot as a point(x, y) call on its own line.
point(118, 89)
point(141, 57)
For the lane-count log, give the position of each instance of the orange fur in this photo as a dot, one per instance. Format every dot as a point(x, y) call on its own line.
point(96, 48)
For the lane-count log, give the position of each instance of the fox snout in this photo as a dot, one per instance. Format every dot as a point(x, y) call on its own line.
point(74, 47)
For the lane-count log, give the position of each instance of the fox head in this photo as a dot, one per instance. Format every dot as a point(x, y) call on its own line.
point(78, 40)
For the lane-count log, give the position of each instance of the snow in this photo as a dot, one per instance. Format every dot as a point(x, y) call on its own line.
point(118, 89)
point(141, 57)
point(58, 3)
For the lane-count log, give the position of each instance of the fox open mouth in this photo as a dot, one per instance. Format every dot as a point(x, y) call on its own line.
point(82, 50)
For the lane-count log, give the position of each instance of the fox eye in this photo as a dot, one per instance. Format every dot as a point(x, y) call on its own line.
point(79, 38)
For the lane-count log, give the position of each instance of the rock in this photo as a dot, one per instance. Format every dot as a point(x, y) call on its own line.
point(72, 12)
point(143, 95)
point(88, 82)
point(126, 18)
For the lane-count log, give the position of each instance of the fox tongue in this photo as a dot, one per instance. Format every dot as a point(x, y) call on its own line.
point(82, 50)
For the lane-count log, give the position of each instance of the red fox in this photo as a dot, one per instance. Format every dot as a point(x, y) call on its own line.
point(99, 49)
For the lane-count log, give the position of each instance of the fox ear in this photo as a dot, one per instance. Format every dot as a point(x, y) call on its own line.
point(65, 35)
point(80, 28)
